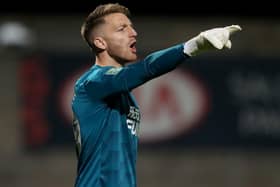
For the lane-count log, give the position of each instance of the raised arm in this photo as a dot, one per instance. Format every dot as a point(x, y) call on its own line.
point(112, 80)
point(115, 80)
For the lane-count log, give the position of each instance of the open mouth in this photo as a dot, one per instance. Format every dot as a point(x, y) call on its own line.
point(133, 47)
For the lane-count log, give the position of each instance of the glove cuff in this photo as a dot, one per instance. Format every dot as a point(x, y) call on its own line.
point(191, 47)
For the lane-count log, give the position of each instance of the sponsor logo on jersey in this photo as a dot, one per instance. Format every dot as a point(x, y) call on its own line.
point(133, 120)
point(113, 71)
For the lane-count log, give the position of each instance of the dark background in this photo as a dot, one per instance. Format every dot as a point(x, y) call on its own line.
point(252, 9)
point(253, 60)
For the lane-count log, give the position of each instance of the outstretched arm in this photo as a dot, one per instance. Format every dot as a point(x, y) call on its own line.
point(115, 80)
point(112, 80)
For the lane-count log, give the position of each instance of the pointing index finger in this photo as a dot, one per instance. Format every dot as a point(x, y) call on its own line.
point(233, 28)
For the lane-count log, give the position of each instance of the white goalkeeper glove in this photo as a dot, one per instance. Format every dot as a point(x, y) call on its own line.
point(216, 38)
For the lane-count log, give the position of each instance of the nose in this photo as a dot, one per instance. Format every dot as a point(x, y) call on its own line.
point(133, 32)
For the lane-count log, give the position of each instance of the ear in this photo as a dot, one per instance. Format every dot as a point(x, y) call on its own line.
point(100, 43)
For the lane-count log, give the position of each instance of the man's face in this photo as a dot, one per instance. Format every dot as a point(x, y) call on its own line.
point(120, 38)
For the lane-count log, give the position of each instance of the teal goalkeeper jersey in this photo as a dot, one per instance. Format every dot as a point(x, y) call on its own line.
point(106, 118)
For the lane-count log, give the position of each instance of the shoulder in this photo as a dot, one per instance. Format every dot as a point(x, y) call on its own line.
point(97, 74)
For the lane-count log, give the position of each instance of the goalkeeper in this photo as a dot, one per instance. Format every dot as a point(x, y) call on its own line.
point(106, 115)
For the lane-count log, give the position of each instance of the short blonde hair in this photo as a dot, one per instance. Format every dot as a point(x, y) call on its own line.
point(96, 17)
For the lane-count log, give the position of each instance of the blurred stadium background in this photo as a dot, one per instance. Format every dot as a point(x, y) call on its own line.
point(213, 122)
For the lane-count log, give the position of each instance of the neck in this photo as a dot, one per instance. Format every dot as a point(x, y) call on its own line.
point(103, 59)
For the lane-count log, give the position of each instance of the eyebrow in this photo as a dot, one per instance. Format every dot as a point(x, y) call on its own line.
point(125, 24)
